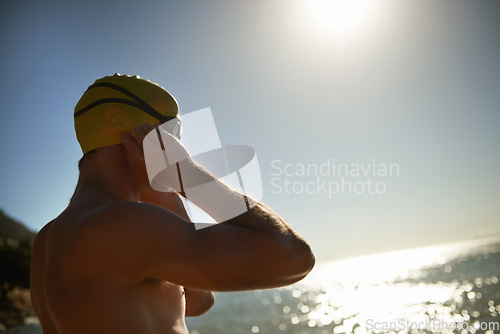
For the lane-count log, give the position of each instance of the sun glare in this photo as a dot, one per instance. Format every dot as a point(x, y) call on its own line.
point(343, 18)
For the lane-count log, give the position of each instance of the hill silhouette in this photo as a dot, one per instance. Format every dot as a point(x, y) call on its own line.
point(12, 229)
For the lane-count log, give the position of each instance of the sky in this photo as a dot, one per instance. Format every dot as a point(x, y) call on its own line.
point(399, 96)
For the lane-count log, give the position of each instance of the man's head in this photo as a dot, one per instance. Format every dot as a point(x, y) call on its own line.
point(114, 105)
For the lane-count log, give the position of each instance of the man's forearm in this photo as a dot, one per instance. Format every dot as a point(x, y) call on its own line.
point(215, 197)
point(228, 205)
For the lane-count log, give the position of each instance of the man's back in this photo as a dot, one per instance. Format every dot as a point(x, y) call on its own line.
point(73, 291)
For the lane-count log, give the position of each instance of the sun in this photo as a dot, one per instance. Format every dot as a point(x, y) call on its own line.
point(343, 18)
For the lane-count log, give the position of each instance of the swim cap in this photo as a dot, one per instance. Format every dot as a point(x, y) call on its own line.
point(140, 100)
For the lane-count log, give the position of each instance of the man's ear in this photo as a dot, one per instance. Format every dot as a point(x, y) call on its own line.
point(117, 121)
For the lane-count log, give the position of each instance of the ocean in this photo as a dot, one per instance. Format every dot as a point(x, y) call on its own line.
point(442, 289)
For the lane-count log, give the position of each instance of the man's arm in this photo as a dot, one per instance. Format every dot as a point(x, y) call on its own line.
point(256, 249)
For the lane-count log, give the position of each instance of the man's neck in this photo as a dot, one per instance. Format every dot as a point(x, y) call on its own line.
point(106, 178)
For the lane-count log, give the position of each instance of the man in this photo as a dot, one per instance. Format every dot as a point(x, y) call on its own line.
point(122, 258)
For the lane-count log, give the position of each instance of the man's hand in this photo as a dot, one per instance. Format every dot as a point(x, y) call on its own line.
point(171, 152)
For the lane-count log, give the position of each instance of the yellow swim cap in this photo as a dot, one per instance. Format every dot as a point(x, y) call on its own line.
point(116, 104)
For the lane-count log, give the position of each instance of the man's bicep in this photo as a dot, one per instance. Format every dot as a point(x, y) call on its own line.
point(153, 242)
point(208, 259)
point(220, 258)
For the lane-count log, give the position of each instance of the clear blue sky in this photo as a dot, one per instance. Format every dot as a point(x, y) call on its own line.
point(412, 83)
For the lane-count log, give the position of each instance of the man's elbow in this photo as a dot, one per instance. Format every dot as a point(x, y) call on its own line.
point(305, 260)
point(298, 261)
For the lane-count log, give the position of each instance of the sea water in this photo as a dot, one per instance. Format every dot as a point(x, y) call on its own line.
point(442, 289)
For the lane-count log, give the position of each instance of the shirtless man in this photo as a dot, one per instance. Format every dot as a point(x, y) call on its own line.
point(122, 258)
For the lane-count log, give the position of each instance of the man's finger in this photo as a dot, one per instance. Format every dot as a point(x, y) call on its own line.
point(146, 127)
point(132, 146)
point(138, 134)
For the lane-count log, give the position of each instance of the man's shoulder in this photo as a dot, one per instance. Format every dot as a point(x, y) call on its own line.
point(109, 224)
point(117, 209)
point(122, 218)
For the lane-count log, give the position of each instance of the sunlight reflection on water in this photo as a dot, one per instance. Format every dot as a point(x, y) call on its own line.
point(445, 289)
